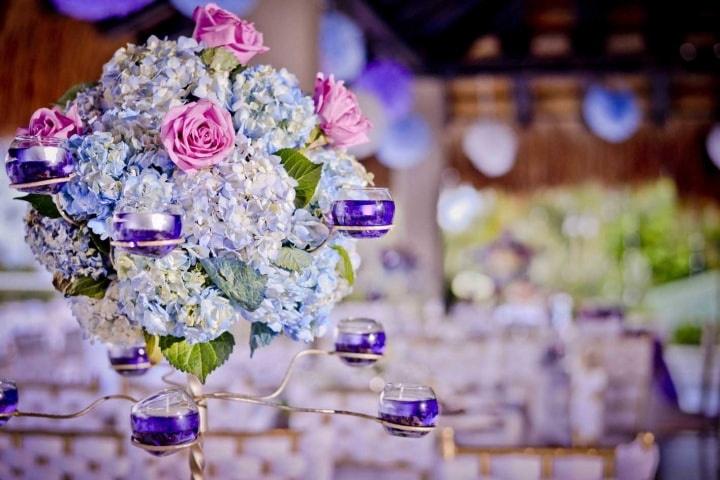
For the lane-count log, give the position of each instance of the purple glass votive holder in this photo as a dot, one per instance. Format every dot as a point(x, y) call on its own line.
point(363, 212)
point(8, 400)
point(167, 419)
point(362, 336)
point(130, 361)
point(38, 165)
point(412, 406)
point(152, 234)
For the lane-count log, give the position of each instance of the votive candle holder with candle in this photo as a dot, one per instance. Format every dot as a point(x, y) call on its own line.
point(38, 164)
point(152, 234)
point(406, 405)
point(169, 418)
point(8, 399)
point(129, 361)
point(362, 336)
point(363, 212)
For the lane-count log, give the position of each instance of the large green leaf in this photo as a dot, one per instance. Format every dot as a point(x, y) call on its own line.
point(86, 286)
point(344, 267)
point(304, 171)
point(240, 282)
point(293, 259)
point(102, 246)
point(219, 59)
point(72, 92)
point(260, 336)
point(43, 204)
point(152, 347)
point(199, 359)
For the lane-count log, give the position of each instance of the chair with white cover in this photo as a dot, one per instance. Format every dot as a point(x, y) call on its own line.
point(637, 460)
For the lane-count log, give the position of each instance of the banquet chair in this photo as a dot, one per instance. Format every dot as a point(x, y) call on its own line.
point(63, 455)
point(627, 362)
point(637, 460)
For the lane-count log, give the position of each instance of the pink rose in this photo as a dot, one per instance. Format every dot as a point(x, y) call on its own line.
point(197, 135)
point(46, 122)
point(341, 120)
point(216, 27)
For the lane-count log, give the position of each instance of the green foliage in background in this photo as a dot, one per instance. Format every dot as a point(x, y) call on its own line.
point(597, 242)
point(688, 333)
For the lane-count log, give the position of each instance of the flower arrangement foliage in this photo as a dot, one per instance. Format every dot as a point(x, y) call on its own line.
point(249, 161)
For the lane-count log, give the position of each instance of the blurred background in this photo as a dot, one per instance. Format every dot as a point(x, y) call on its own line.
point(554, 272)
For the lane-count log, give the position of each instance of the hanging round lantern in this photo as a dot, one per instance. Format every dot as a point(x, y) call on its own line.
point(458, 207)
point(363, 212)
point(406, 143)
point(410, 410)
point(38, 165)
point(130, 361)
point(374, 111)
point(491, 146)
point(165, 422)
point(391, 83)
point(98, 10)
point(8, 399)
point(238, 7)
point(342, 46)
point(712, 143)
point(612, 115)
point(153, 234)
point(360, 341)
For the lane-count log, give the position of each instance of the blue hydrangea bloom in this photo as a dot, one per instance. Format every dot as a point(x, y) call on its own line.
point(271, 110)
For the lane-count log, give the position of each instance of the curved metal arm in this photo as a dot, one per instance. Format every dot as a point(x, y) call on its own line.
point(288, 373)
point(66, 416)
point(63, 213)
point(166, 378)
point(324, 411)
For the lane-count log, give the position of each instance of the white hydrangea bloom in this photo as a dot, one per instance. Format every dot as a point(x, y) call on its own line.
point(172, 296)
point(242, 205)
point(63, 249)
point(101, 320)
point(153, 77)
point(340, 169)
point(271, 110)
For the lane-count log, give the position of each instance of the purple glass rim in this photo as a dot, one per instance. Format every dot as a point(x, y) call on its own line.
point(25, 141)
point(416, 391)
point(154, 229)
point(359, 325)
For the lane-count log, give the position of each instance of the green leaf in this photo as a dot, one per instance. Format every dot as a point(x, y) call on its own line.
point(86, 286)
point(102, 246)
point(344, 267)
point(72, 92)
point(293, 259)
point(199, 359)
point(219, 59)
point(260, 336)
point(152, 346)
point(241, 283)
point(43, 204)
point(304, 171)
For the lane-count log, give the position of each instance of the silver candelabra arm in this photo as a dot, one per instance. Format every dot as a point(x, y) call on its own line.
point(67, 416)
point(193, 389)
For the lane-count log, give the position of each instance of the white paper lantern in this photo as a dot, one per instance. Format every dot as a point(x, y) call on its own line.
point(491, 146)
point(458, 207)
point(372, 108)
point(342, 46)
point(406, 142)
point(238, 7)
point(612, 115)
point(712, 143)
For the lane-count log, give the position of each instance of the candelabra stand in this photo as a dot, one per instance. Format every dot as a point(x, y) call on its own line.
point(396, 425)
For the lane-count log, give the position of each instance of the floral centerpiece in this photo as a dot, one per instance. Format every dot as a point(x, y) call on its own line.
point(249, 162)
